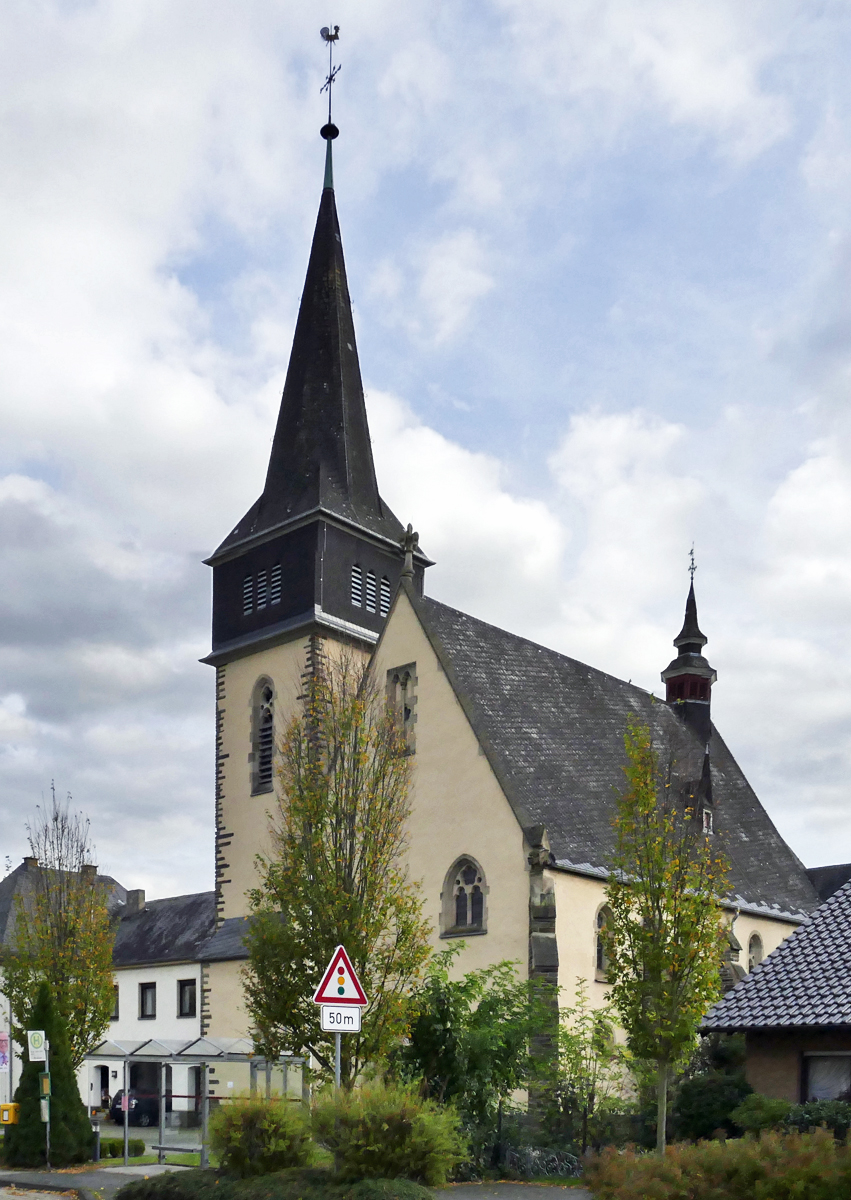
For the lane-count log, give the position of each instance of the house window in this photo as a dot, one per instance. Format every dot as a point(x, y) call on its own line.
point(261, 589)
point(275, 585)
point(463, 899)
point(755, 951)
point(114, 1016)
point(402, 698)
point(707, 820)
point(248, 595)
point(147, 1001)
point(357, 586)
point(186, 997)
point(384, 596)
point(262, 737)
point(370, 591)
point(601, 961)
point(827, 1077)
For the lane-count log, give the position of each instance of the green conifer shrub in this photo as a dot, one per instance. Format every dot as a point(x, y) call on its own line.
point(71, 1138)
point(757, 1113)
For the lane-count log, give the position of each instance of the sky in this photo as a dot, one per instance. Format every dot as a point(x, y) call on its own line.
point(599, 257)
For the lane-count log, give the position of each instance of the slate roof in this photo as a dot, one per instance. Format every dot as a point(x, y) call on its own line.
point(827, 880)
point(169, 930)
point(553, 731)
point(21, 882)
point(226, 943)
point(805, 982)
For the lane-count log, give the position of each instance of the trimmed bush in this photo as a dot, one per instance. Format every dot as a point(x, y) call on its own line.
point(776, 1166)
point(705, 1103)
point(382, 1132)
point(834, 1114)
point(757, 1113)
point(251, 1135)
point(114, 1147)
point(304, 1184)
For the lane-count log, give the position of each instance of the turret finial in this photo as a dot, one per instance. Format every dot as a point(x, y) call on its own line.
point(692, 565)
point(329, 131)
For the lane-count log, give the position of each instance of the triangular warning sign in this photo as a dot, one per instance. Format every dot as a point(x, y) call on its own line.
point(340, 984)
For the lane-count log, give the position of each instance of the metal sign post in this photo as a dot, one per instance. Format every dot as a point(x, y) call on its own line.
point(341, 999)
point(37, 1051)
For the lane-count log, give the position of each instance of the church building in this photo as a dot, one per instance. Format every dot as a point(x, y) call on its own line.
point(517, 751)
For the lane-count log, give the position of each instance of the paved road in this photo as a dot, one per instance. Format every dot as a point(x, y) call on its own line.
point(104, 1183)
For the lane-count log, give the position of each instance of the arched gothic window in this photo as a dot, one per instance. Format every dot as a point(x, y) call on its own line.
point(755, 951)
point(262, 737)
point(463, 899)
point(601, 962)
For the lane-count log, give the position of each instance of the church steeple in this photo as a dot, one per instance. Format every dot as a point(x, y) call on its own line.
point(689, 677)
point(320, 524)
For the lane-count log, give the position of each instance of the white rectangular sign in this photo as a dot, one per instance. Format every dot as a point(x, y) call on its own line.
point(36, 1045)
point(340, 1018)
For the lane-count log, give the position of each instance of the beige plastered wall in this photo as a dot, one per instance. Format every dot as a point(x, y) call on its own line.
point(245, 816)
point(457, 805)
point(578, 901)
point(228, 1017)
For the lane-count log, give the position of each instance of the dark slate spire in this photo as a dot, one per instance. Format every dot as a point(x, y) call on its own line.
point(690, 634)
point(321, 453)
point(689, 678)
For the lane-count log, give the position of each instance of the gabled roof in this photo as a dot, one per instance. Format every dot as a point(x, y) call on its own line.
point(827, 880)
point(805, 982)
point(169, 930)
point(553, 730)
point(21, 883)
point(321, 459)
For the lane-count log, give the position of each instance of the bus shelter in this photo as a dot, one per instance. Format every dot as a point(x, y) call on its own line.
point(204, 1053)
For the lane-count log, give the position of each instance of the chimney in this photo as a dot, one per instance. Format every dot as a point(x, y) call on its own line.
point(135, 902)
point(30, 863)
point(88, 873)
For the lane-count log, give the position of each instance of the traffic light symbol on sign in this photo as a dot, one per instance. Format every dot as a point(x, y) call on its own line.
point(340, 984)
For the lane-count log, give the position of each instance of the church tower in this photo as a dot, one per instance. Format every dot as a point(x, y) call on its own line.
point(319, 554)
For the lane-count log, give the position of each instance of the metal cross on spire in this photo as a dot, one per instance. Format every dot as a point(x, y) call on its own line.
point(692, 566)
point(330, 34)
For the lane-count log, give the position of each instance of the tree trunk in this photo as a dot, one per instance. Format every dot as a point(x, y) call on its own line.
point(661, 1105)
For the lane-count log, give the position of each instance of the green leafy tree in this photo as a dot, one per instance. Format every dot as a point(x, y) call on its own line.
point(62, 933)
point(471, 1039)
point(336, 874)
point(665, 936)
point(587, 1070)
point(70, 1130)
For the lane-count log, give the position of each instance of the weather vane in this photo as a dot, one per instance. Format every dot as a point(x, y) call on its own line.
point(692, 566)
point(330, 34)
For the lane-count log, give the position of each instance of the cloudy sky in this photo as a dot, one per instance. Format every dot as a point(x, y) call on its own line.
point(599, 255)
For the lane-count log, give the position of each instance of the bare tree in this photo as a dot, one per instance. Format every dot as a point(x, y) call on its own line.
point(62, 933)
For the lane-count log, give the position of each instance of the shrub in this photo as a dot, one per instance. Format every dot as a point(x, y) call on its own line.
point(114, 1147)
point(835, 1114)
point(389, 1132)
point(255, 1136)
point(757, 1113)
point(775, 1167)
point(704, 1103)
point(294, 1184)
